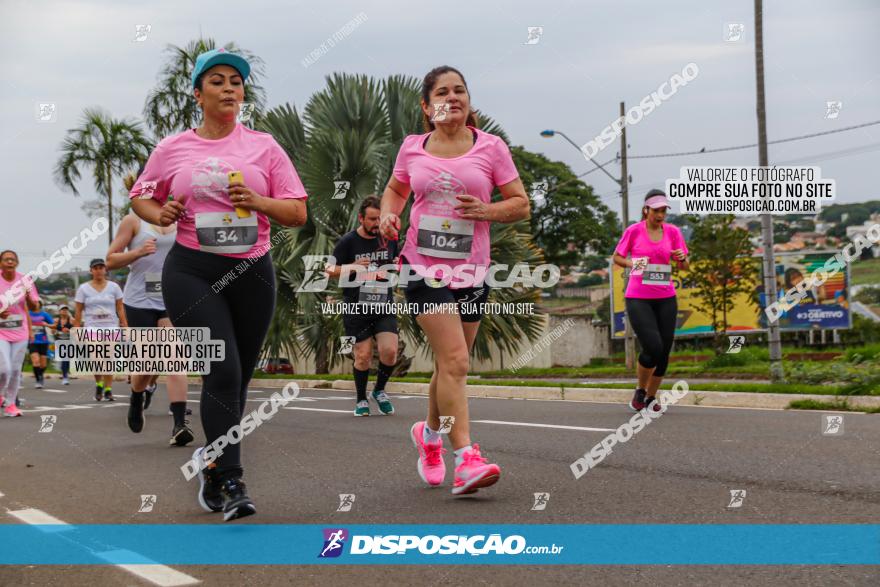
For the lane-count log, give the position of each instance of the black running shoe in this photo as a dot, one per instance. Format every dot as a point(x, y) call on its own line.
point(108, 395)
point(653, 404)
point(236, 503)
point(99, 393)
point(638, 401)
point(151, 389)
point(136, 411)
point(209, 485)
point(181, 435)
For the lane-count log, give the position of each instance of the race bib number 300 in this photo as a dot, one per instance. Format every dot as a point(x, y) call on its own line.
point(225, 232)
point(657, 275)
point(447, 238)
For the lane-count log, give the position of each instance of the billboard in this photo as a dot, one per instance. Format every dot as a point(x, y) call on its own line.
point(824, 307)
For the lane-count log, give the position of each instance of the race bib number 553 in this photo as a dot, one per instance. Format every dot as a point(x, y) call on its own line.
point(657, 274)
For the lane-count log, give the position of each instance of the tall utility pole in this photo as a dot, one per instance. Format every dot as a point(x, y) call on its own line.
point(776, 373)
point(629, 340)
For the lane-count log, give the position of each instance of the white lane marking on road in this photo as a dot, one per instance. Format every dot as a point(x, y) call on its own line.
point(534, 425)
point(319, 410)
point(36, 517)
point(296, 399)
point(149, 571)
point(481, 421)
point(55, 390)
point(66, 407)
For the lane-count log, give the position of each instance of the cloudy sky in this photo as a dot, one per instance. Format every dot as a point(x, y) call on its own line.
point(591, 55)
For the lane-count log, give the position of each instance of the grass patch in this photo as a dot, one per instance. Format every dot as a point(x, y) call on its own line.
point(838, 405)
point(866, 272)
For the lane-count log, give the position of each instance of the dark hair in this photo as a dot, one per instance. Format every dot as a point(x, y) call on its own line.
point(648, 196)
point(370, 201)
point(200, 80)
point(428, 86)
point(9, 251)
point(790, 274)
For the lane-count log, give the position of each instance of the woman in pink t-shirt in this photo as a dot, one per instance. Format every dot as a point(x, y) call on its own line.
point(17, 294)
point(227, 182)
point(651, 306)
point(452, 169)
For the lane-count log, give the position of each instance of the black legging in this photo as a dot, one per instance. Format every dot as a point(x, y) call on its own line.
point(653, 321)
point(238, 311)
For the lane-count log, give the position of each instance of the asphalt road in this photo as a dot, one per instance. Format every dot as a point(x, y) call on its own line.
point(91, 469)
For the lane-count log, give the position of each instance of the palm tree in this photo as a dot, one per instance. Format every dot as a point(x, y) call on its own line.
point(351, 131)
point(111, 147)
point(171, 106)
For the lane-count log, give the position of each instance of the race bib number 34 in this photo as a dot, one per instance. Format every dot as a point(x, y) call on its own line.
point(657, 274)
point(447, 238)
point(225, 232)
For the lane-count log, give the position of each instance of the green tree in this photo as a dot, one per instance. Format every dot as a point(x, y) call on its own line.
point(592, 262)
point(721, 268)
point(569, 219)
point(171, 106)
point(588, 280)
point(110, 147)
point(351, 131)
point(782, 232)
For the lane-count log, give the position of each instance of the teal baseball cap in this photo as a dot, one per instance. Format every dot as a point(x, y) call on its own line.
point(220, 56)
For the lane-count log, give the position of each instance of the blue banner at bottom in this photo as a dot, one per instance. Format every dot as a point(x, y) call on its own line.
point(357, 544)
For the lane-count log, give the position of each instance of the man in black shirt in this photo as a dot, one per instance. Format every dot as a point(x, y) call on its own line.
point(362, 250)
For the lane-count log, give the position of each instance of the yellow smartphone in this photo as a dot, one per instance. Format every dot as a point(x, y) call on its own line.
point(236, 178)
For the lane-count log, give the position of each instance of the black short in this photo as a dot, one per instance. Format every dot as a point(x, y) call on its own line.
point(421, 295)
point(41, 348)
point(143, 317)
point(362, 327)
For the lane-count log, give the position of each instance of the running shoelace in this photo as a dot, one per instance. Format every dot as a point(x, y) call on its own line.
point(473, 457)
point(434, 454)
point(381, 397)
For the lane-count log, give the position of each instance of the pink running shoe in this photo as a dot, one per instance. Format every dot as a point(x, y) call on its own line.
point(474, 473)
point(11, 411)
point(431, 467)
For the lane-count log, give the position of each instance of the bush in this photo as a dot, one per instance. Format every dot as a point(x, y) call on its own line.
point(746, 356)
point(870, 352)
point(861, 376)
point(864, 331)
point(588, 280)
point(868, 295)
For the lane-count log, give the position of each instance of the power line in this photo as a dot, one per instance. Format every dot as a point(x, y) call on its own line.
point(753, 145)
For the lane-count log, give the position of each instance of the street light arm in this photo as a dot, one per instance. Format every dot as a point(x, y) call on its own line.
point(596, 163)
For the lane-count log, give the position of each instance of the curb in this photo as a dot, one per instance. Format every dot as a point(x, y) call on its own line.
point(695, 397)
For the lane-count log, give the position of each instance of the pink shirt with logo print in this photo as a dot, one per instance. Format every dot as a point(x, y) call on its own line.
point(14, 327)
point(194, 170)
point(436, 181)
